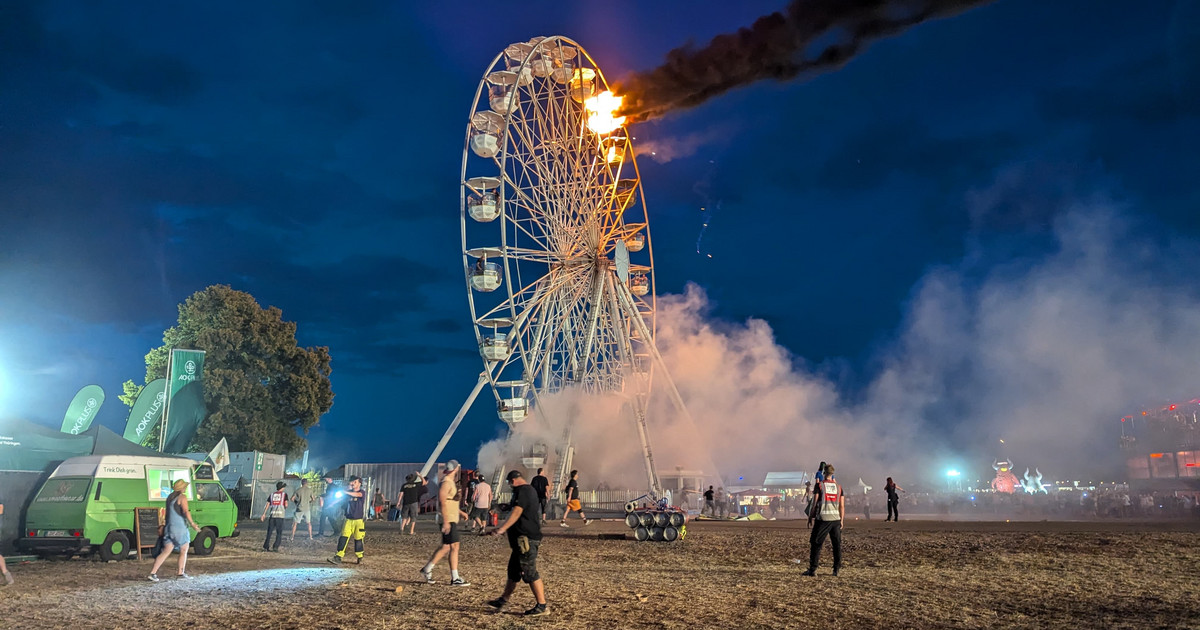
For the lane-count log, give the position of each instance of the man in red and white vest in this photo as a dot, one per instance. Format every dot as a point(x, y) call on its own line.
point(830, 507)
point(276, 509)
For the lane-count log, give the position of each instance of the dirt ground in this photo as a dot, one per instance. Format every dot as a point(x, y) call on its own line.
point(912, 574)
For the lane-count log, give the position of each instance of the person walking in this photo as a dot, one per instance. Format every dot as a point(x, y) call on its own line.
point(329, 502)
point(893, 501)
point(176, 533)
point(573, 503)
point(355, 525)
point(276, 507)
point(304, 499)
point(722, 502)
point(830, 509)
point(410, 501)
point(448, 505)
point(378, 504)
point(8, 577)
point(481, 504)
point(524, 530)
point(710, 502)
point(541, 485)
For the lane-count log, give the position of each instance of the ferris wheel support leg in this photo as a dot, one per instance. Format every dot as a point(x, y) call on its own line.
point(483, 380)
point(626, 300)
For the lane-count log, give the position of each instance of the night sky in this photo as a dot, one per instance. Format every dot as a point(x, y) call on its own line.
point(308, 153)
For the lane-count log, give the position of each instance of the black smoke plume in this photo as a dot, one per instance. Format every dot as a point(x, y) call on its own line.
point(808, 37)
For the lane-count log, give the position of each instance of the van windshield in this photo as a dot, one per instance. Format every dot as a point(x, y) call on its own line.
point(64, 490)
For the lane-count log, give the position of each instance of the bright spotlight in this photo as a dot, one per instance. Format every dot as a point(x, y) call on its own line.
point(952, 473)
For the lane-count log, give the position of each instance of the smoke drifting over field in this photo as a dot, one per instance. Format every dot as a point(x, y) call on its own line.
point(1046, 352)
point(808, 37)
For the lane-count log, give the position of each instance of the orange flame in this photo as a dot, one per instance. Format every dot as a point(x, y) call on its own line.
point(602, 109)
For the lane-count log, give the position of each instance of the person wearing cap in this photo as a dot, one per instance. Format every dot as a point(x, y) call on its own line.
point(410, 501)
point(276, 507)
point(829, 510)
point(448, 505)
point(524, 529)
point(355, 525)
point(176, 532)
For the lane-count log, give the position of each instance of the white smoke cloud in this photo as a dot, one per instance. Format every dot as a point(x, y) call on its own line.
point(1046, 352)
point(664, 149)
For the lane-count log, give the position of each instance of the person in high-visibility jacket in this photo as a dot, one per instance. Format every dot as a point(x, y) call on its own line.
point(355, 525)
point(830, 508)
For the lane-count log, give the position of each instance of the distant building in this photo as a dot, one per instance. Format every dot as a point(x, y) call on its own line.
point(1162, 447)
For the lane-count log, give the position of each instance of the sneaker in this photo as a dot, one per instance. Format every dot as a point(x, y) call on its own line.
point(497, 603)
point(459, 582)
point(153, 577)
point(184, 576)
point(428, 575)
point(563, 524)
point(358, 561)
point(809, 573)
point(8, 578)
point(335, 560)
point(537, 611)
point(588, 521)
point(835, 572)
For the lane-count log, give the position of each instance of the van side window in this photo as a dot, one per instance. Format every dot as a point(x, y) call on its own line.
point(160, 480)
point(209, 491)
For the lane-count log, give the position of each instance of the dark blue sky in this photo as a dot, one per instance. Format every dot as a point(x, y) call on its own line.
point(308, 153)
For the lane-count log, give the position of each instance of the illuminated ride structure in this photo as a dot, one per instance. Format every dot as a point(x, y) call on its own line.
point(556, 248)
point(1162, 447)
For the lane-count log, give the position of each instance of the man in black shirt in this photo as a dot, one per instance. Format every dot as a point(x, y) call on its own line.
point(573, 502)
point(709, 503)
point(524, 529)
point(410, 497)
point(541, 485)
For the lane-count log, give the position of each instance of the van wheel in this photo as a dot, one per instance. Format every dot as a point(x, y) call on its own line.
point(205, 542)
point(115, 547)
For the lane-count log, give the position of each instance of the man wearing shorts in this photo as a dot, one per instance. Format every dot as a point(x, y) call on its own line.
point(524, 529)
point(303, 499)
point(541, 485)
point(448, 505)
point(410, 501)
point(573, 503)
point(481, 503)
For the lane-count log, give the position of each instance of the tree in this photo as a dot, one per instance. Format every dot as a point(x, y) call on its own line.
point(260, 387)
point(132, 391)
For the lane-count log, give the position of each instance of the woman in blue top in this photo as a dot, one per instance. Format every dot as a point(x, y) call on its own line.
point(176, 532)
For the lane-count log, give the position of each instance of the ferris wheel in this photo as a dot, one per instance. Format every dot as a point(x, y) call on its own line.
point(556, 247)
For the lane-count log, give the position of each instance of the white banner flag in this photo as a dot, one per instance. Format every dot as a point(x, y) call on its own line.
point(219, 455)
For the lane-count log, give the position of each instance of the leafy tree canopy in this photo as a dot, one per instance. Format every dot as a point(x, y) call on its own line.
point(259, 385)
point(132, 391)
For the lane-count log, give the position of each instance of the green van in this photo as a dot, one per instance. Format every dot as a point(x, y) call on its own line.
point(87, 505)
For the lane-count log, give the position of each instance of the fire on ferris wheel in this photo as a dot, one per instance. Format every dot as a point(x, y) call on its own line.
point(556, 248)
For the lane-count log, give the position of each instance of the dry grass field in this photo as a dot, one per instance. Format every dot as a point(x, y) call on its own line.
point(913, 574)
